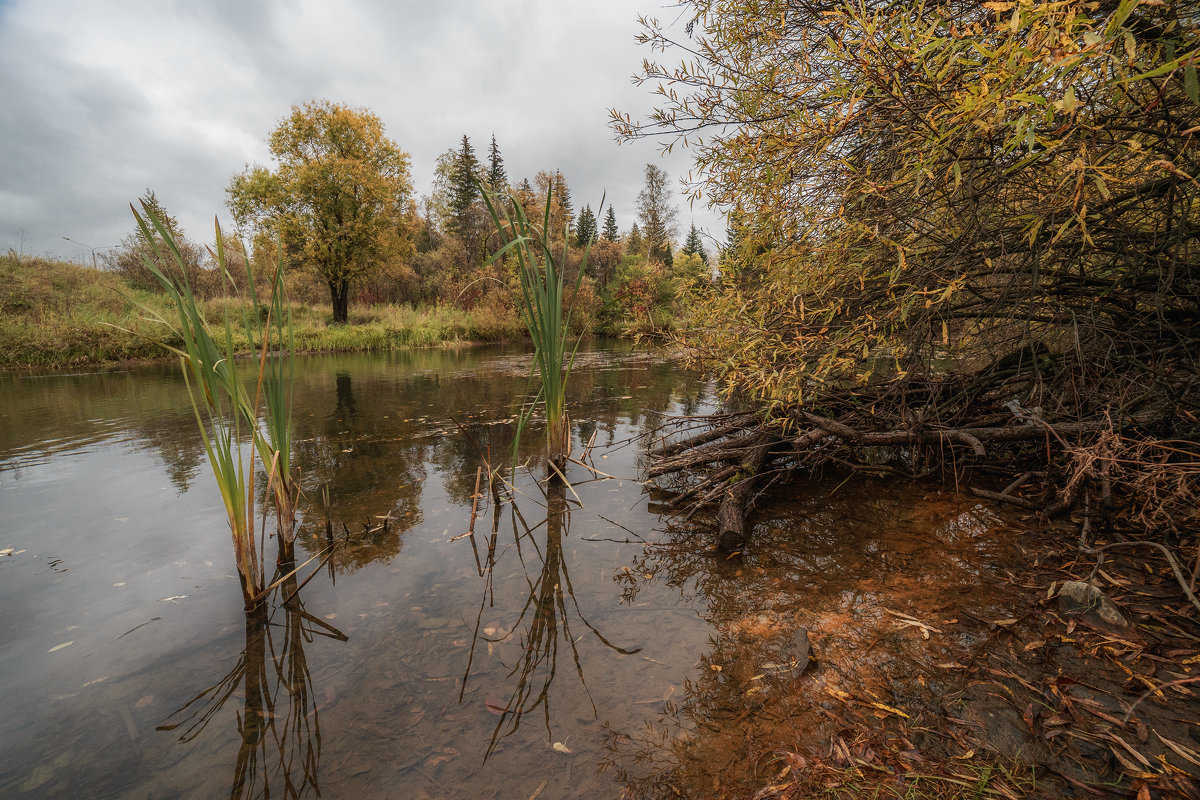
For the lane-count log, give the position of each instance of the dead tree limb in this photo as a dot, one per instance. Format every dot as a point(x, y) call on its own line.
point(731, 516)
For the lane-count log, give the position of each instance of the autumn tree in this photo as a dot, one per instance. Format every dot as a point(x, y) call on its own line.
point(656, 212)
point(635, 243)
point(611, 232)
point(127, 258)
point(562, 195)
point(554, 184)
point(340, 196)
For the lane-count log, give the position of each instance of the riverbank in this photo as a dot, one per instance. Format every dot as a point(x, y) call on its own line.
point(977, 653)
point(55, 314)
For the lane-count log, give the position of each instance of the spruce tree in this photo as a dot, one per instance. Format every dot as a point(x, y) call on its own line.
point(497, 177)
point(585, 228)
point(694, 245)
point(563, 196)
point(463, 189)
point(611, 232)
point(635, 244)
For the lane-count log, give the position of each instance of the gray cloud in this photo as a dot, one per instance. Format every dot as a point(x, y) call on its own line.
point(103, 100)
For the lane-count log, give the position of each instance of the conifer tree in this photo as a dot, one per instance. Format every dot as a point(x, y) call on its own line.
point(463, 188)
point(694, 245)
point(585, 228)
point(497, 177)
point(635, 244)
point(611, 232)
point(562, 195)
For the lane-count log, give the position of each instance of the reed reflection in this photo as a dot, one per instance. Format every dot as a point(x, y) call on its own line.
point(279, 753)
point(548, 619)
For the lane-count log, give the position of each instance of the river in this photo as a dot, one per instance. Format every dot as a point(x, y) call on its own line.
point(576, 644)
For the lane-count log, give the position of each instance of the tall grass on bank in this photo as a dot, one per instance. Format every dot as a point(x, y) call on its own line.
point(55, 314)
point(540, 304)
point(225, 412)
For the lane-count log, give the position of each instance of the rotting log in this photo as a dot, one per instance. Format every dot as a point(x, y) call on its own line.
point(731, 515)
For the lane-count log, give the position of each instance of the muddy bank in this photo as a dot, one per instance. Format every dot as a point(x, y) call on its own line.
point(933, 661)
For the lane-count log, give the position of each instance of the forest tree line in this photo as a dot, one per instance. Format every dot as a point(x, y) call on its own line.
point(339, 200)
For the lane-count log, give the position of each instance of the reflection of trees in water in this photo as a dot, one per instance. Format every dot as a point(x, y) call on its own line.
point(545, 620)
point(367, 471)
point(280, 749)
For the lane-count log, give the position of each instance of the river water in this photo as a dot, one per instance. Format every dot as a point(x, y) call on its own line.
point(575, 645)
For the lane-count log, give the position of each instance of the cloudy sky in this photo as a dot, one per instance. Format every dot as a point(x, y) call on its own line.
point(102, 100)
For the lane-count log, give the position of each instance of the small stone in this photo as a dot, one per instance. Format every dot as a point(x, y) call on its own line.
point(798, 650)
point(1092, 607)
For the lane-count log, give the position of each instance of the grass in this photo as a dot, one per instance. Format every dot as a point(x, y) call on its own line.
point(55, 314)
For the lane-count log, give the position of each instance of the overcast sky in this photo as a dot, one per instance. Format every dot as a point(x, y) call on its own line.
point(99, 101)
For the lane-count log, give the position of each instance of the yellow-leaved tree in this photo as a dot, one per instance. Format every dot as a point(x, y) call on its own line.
point(340, 197)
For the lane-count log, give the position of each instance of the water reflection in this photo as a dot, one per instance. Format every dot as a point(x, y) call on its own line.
point(392, 437)
point(278, 723)
point(544, 623)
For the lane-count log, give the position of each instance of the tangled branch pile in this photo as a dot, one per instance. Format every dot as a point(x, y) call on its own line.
point(953, 224)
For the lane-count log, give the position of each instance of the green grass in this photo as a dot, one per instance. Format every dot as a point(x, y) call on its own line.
point(55, 314)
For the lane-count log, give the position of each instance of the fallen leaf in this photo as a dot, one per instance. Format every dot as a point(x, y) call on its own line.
point(60, 646)
point(891, 710)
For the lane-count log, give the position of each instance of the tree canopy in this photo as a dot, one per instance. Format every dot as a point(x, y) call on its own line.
point(585, 227)
point(497, 176)
point(340, 197)
point(465, 173)
point(954, 180)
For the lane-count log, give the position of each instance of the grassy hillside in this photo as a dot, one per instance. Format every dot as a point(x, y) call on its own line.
point(58, 314)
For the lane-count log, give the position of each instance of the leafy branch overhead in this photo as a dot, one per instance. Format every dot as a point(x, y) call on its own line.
point(915, 182)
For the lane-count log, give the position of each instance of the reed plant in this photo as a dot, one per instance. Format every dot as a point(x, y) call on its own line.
point(226, 414)
point(540, 304)
point(272, 339)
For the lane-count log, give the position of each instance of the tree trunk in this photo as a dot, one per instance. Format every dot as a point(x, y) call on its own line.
point(339, 292)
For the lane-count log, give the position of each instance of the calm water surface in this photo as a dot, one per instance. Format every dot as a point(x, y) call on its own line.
point(411, 665)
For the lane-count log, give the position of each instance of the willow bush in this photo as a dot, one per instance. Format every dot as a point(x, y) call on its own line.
point(995, 198)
